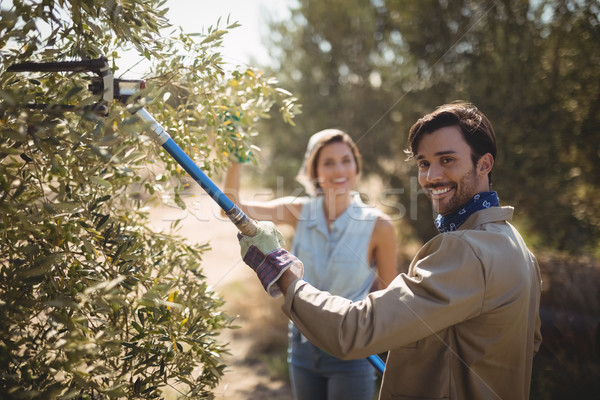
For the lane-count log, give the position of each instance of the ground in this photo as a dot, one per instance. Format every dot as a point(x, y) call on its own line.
point(256, 366)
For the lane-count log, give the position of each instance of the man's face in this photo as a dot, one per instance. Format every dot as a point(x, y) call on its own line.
point(446, 170)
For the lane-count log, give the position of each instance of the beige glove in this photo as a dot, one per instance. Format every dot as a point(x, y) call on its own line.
point(264, 254)
point(267, 239)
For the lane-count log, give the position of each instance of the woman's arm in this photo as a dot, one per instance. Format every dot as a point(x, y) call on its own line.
point(283, 210)
point(383, 251)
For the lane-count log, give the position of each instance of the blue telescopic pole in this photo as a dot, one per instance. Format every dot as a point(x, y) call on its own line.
point(245, 225)
point(186, 162)
point(377, 362)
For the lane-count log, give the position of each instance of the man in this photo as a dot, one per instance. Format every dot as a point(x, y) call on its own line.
point(463, 323)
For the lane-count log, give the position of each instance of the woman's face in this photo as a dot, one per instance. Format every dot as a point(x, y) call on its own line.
point(336, 168)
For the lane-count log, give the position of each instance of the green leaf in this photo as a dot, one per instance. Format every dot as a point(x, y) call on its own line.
point(101, 182)
point(137, 327)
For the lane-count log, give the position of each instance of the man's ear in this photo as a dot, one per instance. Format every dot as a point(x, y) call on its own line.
point(485, 164)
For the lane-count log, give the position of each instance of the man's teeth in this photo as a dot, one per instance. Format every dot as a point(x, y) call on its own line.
point(339, 180)
point(440, 191)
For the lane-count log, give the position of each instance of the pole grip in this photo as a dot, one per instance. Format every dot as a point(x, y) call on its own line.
point(245, 225)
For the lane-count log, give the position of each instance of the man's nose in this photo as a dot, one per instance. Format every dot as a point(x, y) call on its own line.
point(434, 173)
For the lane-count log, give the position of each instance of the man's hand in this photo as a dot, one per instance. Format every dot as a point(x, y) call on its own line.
point(264, 253)
point(267, 239)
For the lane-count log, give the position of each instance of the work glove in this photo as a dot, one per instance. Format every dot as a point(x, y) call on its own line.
point(264, 253)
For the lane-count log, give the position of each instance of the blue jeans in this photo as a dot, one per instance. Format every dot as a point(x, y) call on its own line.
point(316, 375)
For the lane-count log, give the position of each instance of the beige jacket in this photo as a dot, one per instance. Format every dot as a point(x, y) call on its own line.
point(462, 324)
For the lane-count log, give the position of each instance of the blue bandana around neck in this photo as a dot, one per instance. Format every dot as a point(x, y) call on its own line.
point(452, 221)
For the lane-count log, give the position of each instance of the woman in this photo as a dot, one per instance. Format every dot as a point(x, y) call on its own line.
point(347, 248)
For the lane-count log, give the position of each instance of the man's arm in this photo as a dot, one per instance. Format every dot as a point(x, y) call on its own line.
point(447, 288)
point(286, 280)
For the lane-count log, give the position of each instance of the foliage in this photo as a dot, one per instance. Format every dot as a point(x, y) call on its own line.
point(95, 304)
point(373, 68)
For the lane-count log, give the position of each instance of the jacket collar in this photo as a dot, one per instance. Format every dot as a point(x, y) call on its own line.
point(492, 214)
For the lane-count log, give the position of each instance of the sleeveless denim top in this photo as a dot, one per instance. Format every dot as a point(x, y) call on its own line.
point(336, 260)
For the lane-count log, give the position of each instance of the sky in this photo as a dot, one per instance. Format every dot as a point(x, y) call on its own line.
point(240, 44)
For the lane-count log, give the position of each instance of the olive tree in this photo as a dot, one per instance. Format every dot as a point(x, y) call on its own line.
point(93, 303)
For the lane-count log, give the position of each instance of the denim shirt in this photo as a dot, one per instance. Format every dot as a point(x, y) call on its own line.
point(336, 259)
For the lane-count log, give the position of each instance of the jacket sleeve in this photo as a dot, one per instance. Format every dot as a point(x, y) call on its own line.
point(445, 285)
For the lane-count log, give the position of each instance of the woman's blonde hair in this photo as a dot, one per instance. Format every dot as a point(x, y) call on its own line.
point(307, 175)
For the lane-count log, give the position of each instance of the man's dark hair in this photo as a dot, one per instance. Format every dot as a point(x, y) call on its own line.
point(474, 126)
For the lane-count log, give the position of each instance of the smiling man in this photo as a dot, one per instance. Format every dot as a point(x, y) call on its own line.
point(455, 148)
point(463, 323)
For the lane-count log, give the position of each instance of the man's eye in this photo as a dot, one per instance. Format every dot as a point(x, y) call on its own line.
point(446, 160)
point(423, 165)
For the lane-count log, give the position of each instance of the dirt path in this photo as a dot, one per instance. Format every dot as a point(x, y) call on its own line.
point(262, 331)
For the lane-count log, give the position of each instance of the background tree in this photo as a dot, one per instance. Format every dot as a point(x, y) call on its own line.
point(93, 303)
point(372, 68)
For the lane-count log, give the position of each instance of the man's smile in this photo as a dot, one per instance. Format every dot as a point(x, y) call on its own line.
point(439, 191)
